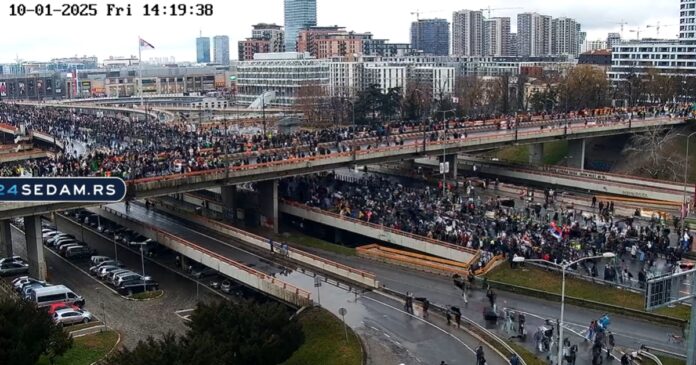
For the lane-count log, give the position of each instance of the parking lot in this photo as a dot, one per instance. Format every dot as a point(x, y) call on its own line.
point(134, 319)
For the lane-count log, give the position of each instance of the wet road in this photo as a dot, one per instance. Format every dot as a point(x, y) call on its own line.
point(412, 339)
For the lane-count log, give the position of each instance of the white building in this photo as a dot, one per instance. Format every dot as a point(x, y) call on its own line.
point(496, 37)
point(346, 78)
point(565, 37)
point(669, 57)
point(386, 75)
point(533, 35)
point(467, 33)
point(282, 73)
point(613, 39)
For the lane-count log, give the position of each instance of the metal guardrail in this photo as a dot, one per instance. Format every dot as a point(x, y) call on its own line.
point(631, 288)
point(271, 280)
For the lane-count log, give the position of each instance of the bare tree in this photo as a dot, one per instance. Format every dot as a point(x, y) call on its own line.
point(652, 153)
point(312, 102)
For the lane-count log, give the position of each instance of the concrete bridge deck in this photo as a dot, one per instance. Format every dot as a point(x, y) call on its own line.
point(485, 140)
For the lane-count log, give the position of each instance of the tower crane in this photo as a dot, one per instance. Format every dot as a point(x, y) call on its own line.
point(658, 26)
point(489, 9)
point(417, 13)
point(622, 23)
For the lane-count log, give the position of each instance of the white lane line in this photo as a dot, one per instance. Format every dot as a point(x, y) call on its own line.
point(422, 320)
point(184, 310)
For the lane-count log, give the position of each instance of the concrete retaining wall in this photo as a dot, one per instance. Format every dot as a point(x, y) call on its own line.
point(226, 266)
point(303, 258)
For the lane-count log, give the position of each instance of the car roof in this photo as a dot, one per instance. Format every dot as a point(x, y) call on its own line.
point(67, 310)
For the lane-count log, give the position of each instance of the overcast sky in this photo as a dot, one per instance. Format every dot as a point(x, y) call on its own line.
point(34, 38)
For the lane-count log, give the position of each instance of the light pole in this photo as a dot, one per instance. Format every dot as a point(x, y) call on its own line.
point(520, 259)
point(142, 262)
point(686, 170)
point(444, 150)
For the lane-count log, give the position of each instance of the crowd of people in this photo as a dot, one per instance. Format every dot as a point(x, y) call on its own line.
point(464, 216)
point(132, 149)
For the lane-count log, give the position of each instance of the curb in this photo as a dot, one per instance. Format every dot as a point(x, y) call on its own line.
point(116, 345)
point(147, 299)
point(672, 321)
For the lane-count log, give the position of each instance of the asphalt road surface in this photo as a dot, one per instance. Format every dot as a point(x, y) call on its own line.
point(412, 339)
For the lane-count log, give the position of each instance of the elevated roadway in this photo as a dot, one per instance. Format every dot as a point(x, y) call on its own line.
point(415, 146)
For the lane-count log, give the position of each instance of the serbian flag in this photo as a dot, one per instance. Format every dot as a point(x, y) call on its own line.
point(145, 44)
point(555, 231)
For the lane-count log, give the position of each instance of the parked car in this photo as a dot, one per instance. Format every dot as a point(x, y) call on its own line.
point(43, 297)
point(230, 287)
point(137, 286)
point(79, 252)
point(215, 282)
point(96, 260)
point(94, 270)
point(53, 308)
point(26, 290)
point(109, 278)
point(106, 269)
point(71, 316)
point(13, 268)
point(47, 236)
point(12, 259)
point(122, 277)
point(63, 240)
point(20, 282)
point(58, 237)
point(203, 272)
point(64, 248)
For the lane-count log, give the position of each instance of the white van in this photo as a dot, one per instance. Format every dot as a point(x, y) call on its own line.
point(44, 297)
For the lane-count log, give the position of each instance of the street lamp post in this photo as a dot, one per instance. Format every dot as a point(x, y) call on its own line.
point(520, 259)
point(142, 262)
point(444, 150)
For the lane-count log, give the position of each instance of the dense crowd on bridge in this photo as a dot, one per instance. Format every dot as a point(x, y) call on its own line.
point(464, 216)
point(132, 149)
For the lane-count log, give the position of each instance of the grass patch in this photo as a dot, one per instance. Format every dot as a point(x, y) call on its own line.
point(147, 295)
point(549, 281)
point(79, 326)
point(670, 360)
point(86, 349)
point(302, 240)
point(325, 341)
point(526, 355)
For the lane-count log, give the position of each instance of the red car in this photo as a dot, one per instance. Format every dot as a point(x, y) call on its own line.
point(58, 306)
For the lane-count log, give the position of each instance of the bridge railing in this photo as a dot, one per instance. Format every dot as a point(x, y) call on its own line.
point(303, 296)
point(383, 228)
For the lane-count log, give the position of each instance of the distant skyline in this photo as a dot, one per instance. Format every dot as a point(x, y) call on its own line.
point(42, 38)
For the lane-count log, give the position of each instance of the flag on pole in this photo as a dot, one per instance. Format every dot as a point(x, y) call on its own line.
point(145, 44)
point(555, 231)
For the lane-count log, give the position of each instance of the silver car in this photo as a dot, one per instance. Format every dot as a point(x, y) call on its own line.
point(71, 316)
point(13, 268)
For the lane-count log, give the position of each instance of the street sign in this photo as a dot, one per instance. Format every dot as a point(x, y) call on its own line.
point(444, 168)
point(317, 281)
point(342, 311)
point(669, 289)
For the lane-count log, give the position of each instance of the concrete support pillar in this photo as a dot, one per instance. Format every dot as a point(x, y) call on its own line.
point(5, 238)
point(452, 159)
point(536, 154)
point(268, 204)
point(576, 153)
point(35, 254)
point(229, 201)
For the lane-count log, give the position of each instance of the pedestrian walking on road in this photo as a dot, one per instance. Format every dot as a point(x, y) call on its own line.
point(514, 360)
point(480, 356)
point(426, 306)
point(610, 343)
point(448, 315)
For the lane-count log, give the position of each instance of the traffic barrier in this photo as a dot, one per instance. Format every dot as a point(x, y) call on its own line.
point(307, 259)
point(226, 266)
point(383, 233)
point(413, 260)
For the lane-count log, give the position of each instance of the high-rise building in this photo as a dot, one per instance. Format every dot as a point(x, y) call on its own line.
point(512, 45)
point(533, 35)
point(496, 37)
point(431, 36)
point(203, 50)
point(687, 22)
point(467, 33)
point(265, 38)
point(335, 41)
point(221, 49)
point(613, 39)
point(589, 46)
point(298, 14)
point(565, 37)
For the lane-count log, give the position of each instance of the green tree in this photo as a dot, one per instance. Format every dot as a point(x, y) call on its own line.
point(27, 332)
point(390, 104)
point(223, 333)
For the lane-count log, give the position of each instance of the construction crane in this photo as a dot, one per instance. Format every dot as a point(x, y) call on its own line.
point(637, 31)
point(622, 23)
point(488, 10)
point(658, 26)
point(417, 13)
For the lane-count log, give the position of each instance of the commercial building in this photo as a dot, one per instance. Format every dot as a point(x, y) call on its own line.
point(265, 38)
point(589, 46)
point(600, 58)
point(496, 37)
point(467, 33)
point(533, 35)
point(565, 37)
point(203, 50)
point(382, 48)
point(298, 14)
point(431, 36)
point(512, 45)
point(668, 57)
point(221, 46)
point(281, 73)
